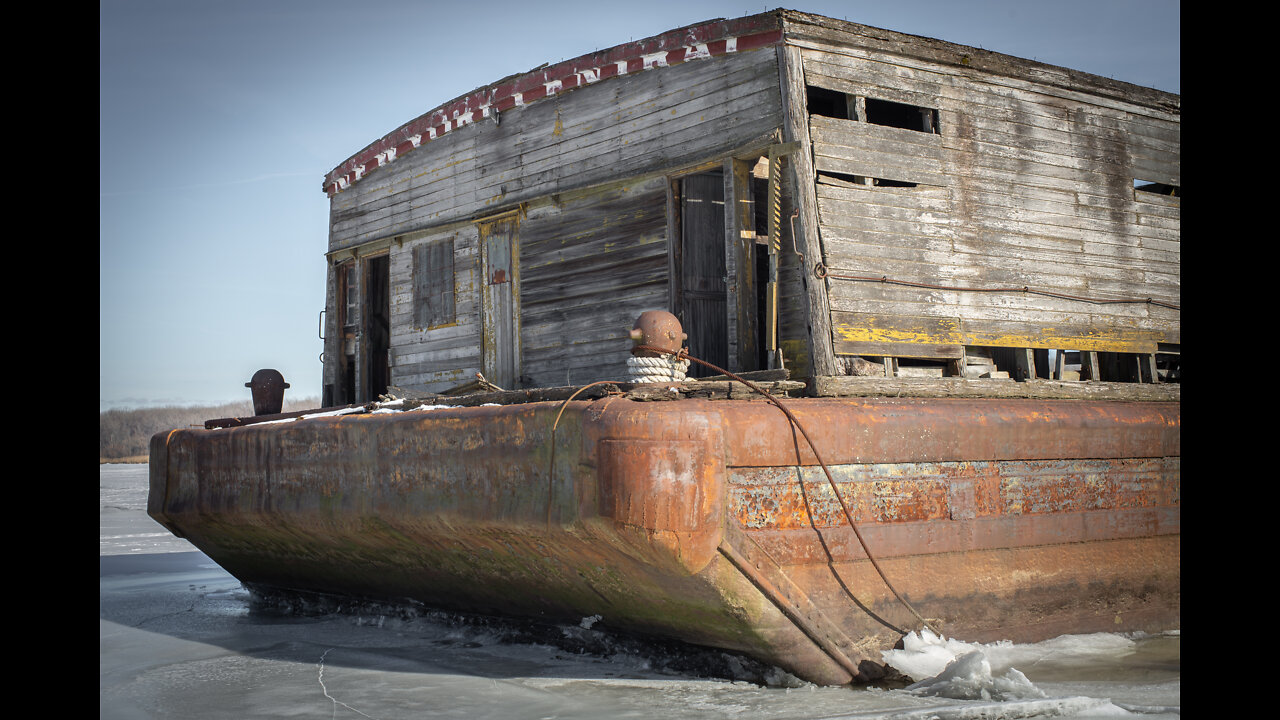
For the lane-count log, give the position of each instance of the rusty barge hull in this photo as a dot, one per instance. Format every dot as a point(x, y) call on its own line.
point(709, 521)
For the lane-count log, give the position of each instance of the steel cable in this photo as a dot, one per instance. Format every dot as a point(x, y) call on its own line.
point(683, 354)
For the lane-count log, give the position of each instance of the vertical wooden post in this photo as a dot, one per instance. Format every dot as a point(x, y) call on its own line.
point(740, 261)
point(732, 260)
point(774, 211)
point(1027, 363)
point(795, 127)
point(674, 248)
point(1089, 368)
point(1147, 368)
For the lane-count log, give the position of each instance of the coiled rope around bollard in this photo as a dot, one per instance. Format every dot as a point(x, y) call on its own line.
point(683, 354)
point(644, 369)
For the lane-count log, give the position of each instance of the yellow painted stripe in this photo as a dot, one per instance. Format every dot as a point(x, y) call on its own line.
point(1113, 341)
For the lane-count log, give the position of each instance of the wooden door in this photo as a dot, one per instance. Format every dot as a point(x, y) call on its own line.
point(499, 243)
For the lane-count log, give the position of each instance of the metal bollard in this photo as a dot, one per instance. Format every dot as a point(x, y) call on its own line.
point(657, 328)
point(268, 388)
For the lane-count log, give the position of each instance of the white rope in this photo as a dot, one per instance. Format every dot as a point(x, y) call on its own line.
point(656, 369)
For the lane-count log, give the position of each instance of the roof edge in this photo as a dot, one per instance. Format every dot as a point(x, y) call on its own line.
point(989, 61)
point(712, 38)
point(702, 40)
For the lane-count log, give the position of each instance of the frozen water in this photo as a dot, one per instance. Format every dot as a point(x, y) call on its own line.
point(180, 638)
point(949, 668)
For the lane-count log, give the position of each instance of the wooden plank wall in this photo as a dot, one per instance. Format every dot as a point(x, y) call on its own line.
point(590, 264)
point(437, 358)
point(623, 127)
point(1027, 185)
point(593, 249)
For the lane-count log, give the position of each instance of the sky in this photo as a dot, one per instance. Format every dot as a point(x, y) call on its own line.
point(218, 120)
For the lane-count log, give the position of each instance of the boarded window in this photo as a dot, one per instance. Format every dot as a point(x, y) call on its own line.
point(433, 292)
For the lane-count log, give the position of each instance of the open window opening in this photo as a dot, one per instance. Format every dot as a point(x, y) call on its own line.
point(889, 366)
point(919, 367)
point(1072, 365)
point(1169, 362)
point(845, 106)
point(1155, 188)
point(844, 179)
point(828, 103)
point(902, 115)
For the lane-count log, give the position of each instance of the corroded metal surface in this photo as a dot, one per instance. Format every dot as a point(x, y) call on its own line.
point(709, 521)
point(659, 329)
point(267, 386)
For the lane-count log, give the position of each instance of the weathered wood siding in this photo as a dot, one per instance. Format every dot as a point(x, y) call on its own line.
point(623, 127)
point(592, 250)
point(1029, 183)
point(436, 358)
point(590, 265)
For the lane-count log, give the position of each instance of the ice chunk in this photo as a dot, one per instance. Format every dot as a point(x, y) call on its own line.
point(925, 654)
point(969, 677)
point(953, 669)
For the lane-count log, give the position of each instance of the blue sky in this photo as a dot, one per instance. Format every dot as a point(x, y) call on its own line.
point(219, 119)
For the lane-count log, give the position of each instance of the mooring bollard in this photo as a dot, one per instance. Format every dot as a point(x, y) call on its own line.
point(268, 388)
point(658, 329)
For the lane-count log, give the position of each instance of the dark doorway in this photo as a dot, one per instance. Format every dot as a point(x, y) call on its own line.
point(703, 295)
point(377, 327)
point(348, 308)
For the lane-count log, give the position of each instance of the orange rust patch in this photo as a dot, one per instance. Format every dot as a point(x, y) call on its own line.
point(790, 497)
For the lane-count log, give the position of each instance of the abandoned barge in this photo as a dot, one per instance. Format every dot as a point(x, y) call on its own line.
point(955, 272)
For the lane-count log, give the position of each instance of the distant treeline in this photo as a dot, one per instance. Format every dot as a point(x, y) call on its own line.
point(126, 434)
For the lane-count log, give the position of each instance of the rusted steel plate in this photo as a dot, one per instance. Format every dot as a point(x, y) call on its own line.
point(888, 430)
point(987, 514)
point(662, 473)
point(1022, 594)
point(658, 484)
point(795, 497)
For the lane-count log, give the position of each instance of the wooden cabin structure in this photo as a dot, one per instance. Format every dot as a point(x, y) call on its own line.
point(800, 191)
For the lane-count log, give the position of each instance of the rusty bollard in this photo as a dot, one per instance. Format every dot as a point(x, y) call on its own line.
point(268, 388)
point(657, 328)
